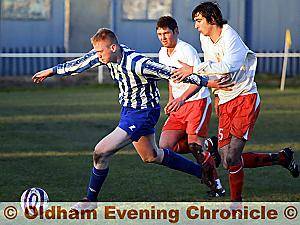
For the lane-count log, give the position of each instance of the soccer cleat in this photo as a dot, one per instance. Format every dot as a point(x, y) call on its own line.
point(84, 204)
point(216, 193)
point(289, 161)
point(212, 147)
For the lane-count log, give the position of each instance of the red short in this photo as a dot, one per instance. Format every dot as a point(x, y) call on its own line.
point(193, 117)
point(237, 118)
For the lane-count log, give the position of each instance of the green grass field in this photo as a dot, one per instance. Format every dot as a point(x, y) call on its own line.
point(47, 136)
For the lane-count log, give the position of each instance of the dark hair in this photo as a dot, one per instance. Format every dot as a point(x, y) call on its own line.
point(104, 34)
point(211, 12)
point(167, 21)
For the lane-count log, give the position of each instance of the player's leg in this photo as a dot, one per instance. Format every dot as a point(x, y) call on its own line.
point(284, 157)
point(101, 156)
point(144, 142)
point(178, 141)
point(223, 152)
point(235, 162)
point(231, 147)
point(102, 153)
point(235, 167)
point(197, 120)
point(175, 140)
point(196, 146)
point(148, 150)
point(236, 123)
point(150, 153)
point(211, 145)
point(173, 134)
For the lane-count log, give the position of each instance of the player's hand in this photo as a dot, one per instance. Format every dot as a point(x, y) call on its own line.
point(174, 105)
point(39, 77)
point(217, 105)
point(221, 84)
point(166, 110)
point(181, 73)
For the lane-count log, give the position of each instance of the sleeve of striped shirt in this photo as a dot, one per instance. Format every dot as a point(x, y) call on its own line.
point(87, 61)
point(156, 71)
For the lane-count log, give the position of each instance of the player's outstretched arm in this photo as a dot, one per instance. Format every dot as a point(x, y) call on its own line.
point(157, 71)
point(79, 65)
point(75, 66)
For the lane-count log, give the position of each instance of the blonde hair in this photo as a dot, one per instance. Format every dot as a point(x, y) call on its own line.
point(104, 34)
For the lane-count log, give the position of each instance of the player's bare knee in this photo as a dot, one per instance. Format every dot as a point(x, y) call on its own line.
point(99, 156)
point(96, 156)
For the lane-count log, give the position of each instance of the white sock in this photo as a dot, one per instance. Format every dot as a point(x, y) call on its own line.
point(218, 182)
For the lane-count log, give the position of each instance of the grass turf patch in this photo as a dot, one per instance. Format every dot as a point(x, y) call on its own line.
point(47, 136)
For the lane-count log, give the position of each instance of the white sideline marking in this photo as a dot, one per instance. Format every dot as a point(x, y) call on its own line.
point(55, 154)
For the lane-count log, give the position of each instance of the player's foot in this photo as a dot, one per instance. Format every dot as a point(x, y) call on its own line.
point(85, 204)
point(289, 161)
point(212, 147)
point(216, 193)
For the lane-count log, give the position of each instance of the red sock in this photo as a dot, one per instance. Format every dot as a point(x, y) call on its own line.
point(253, 160)
point(182, 146)
point(236, 181)
point(214, 171)
point(281, 158)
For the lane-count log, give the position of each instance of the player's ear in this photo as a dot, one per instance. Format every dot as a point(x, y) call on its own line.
point(213, 21)
point(176, 30)
point(113, 48)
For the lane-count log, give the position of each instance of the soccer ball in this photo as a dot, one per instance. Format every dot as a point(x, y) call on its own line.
point(33, 199)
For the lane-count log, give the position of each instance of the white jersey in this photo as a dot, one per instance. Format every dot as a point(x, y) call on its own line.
point(186, 53)
point(229, 55)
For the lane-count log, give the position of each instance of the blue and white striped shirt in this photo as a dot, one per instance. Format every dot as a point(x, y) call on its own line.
point(136, 76)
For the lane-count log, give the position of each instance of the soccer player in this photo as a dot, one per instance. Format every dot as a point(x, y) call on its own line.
point(189, 106)
point(136, 77)
point(225, 52)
